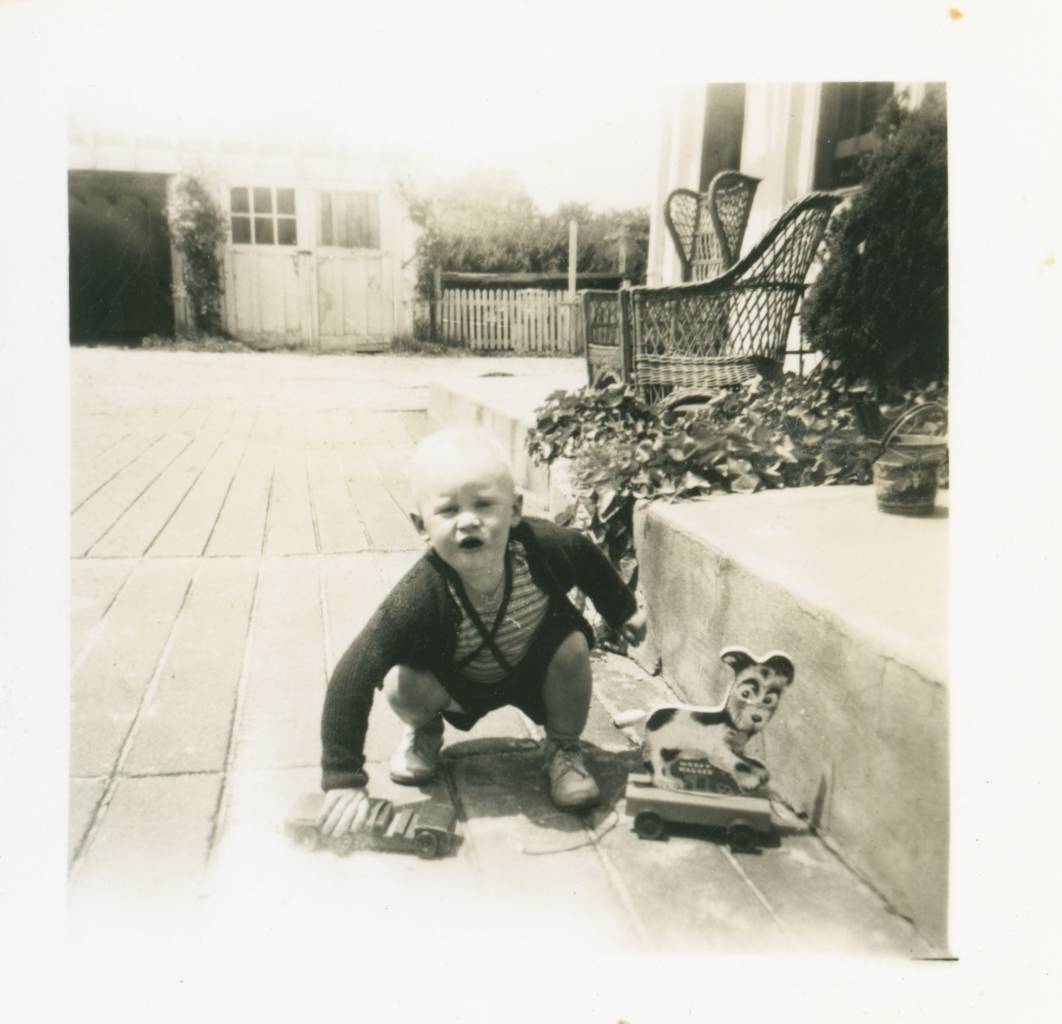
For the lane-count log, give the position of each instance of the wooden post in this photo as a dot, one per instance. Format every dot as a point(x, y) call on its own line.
point(573, 256)
point(436, 299)
point(573, 245)
point(623, 251)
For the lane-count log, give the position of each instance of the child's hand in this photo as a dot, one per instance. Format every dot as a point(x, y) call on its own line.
point(633, 630)
point(342, 810)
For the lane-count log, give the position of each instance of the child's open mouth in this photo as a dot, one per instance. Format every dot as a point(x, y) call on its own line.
point(470, 543)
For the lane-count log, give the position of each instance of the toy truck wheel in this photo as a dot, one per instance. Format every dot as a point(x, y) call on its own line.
point(649, 825)
point(308, 837)
point(741, 838)
point(426, 845)
point(341, 845)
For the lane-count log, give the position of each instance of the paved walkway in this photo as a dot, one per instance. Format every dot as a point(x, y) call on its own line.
point(235, 520)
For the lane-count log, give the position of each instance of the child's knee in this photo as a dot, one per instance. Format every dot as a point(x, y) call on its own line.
point(573, 655)
point(414, 689)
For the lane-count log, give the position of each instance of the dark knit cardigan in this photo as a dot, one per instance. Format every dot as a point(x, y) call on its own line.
point(416, 625)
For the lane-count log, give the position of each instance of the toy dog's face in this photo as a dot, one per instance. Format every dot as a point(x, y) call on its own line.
point(757, 688)
point(695, 748)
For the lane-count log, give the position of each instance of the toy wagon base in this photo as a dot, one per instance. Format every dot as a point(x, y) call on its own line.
point(746, 819)
point(424, 829)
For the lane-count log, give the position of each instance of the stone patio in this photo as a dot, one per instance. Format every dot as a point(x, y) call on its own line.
point(235, 520)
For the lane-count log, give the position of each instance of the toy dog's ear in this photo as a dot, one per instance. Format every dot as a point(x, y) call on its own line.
point(780, 664)
point(738, 658)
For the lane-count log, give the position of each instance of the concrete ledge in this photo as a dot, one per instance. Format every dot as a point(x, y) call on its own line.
point(859, 601)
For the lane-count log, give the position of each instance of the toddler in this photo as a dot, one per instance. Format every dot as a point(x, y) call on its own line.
point(481, 621)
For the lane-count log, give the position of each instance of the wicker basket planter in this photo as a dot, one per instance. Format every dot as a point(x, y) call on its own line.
point(906, 470)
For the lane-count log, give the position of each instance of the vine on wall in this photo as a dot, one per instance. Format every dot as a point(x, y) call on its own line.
point(199, 228)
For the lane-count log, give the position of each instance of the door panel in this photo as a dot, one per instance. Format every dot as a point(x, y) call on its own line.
point(352, 296)
point(265, 290)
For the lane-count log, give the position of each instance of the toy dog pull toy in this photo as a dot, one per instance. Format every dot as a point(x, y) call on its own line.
point(697, 770)
point(424, 829)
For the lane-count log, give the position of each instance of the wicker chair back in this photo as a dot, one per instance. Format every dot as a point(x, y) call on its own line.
point(709, 227)
point(695, 338)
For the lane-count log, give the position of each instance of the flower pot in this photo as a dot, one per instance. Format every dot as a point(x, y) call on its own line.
point(906, 488)
point(905, 474)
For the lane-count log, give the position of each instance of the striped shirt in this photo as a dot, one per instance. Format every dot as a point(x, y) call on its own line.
point(524, 614)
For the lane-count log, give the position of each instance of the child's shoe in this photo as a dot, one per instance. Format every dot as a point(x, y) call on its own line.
point(417, 756)
point(571, 786)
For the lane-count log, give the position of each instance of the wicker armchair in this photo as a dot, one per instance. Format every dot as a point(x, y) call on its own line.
point(709, 227)
point(690, 340)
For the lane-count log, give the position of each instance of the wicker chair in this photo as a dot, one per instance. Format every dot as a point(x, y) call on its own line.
point(690, 340)
point(606, 322)
point(709, 227)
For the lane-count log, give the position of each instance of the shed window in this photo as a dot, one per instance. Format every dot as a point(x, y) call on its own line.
point(262, 216)
point(350, 220)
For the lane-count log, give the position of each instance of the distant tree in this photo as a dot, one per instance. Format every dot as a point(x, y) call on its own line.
point(486, 222)
point(600, 238)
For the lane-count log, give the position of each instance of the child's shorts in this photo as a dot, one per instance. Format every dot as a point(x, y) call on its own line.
point(523, 689)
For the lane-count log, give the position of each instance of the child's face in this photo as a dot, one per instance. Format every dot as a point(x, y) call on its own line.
point(467, 505)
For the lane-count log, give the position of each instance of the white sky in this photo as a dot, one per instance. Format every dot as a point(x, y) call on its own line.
point(513, 94)
point(565, 93)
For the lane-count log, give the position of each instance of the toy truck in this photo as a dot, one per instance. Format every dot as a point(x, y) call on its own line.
point(424, 829)
point(746, 819)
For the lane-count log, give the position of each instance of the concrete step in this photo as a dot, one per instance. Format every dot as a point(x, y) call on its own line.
point(859, 747)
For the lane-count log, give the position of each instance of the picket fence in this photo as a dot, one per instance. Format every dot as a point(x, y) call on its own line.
point(530, 320)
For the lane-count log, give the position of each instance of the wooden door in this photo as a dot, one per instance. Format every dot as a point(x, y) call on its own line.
point(354, 300)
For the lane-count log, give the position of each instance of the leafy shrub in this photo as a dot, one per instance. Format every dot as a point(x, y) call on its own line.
point(791, 432)
point(879, 307)
point(199, 227)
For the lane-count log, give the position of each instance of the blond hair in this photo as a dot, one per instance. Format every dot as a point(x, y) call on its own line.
point(475, 446)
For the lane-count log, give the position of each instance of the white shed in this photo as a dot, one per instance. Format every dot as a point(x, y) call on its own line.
point(320, 253)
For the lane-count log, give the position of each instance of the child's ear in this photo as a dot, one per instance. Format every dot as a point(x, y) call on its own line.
point(518, 507)
point(418, 522)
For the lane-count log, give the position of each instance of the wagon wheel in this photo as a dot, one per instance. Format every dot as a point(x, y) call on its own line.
point(723, 788)
point(308, 837)
point(741, 838)
point(649, 825)
point(426, 845)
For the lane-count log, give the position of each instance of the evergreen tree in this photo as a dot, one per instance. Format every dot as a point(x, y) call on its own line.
point(879, 307)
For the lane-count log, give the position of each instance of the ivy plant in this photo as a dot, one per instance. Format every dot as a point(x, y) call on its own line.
point(765, 435)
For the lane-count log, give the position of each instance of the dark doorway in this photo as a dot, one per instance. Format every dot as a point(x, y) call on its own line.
point(724, 124)
point(846, 130)
point(120, 268)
